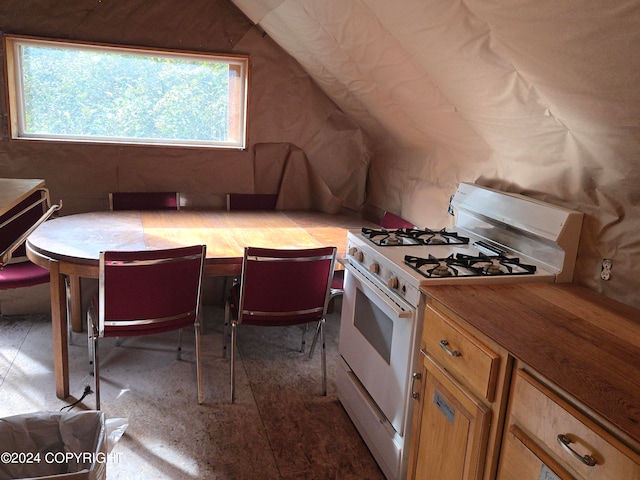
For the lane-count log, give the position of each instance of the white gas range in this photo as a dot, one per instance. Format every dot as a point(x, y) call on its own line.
point(498, 238)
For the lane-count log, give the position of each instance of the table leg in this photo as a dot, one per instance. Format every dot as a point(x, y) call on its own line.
point(59, 330)
point(76, 303)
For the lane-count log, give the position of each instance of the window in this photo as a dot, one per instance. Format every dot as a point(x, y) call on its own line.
point(66, 91)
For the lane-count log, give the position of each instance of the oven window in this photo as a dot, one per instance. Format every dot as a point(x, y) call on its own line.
point(374, 325)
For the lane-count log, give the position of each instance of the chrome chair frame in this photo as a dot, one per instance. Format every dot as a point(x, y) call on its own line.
point(48, 211)
point(316, 313)
point(98, 325)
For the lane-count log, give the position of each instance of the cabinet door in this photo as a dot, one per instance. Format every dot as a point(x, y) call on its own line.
point(453, 428)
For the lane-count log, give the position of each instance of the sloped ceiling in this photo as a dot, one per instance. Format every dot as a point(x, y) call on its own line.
point(534, 96)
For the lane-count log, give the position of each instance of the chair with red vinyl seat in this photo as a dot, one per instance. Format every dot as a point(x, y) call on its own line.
point(392, 221)
point(147, 292)
point(15, 226)
point(251, 201)
point(144, 201)
point(281, 288)
point(247, 201)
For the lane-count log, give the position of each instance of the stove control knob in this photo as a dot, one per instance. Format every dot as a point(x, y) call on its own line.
point(374, 268)
point(392, 282)
point(357, 254)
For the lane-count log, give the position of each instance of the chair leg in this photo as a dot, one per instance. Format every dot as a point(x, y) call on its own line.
point(93, 355)
point(90, 341)
point(324, 358)
point(315, 340)
point(304, 334)
point(179, 355)
point(228, 282)
point(225, 330)
point(233, 360)
point(225, 289)
point(96, 371)
point(198, 364)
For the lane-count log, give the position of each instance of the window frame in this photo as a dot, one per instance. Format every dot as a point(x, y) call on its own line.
point(238, 101)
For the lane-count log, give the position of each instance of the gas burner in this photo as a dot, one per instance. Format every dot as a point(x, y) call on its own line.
point(393, 239)
point(439, 237)
point(435, 267)
point(412, 236)
point(389, 238)
point(461, 265)
point(496, 264)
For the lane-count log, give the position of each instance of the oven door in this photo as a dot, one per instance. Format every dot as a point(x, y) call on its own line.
point(376, 342)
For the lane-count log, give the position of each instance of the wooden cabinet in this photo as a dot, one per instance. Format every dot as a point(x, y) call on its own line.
point(453, 428)
point(541, 381)
point(459, 401)
point(459, 352)
point(549, 438)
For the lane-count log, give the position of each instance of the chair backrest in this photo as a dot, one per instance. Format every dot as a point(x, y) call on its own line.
point(18, 223)
point(252, 201)
point(144, 201)
point(149, 291)
point(389, 220)
point(285, 287)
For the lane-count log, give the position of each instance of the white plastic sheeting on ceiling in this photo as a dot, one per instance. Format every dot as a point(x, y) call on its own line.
point(533, 96)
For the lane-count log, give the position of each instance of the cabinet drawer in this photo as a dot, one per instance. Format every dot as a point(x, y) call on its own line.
point(567, 435)
point(460, 353)
point(522, 459)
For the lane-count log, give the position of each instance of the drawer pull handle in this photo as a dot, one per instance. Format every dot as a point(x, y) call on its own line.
point(444, 344)
point(588, 460)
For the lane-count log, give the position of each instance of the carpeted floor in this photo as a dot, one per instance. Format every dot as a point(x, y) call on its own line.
point(280, 426)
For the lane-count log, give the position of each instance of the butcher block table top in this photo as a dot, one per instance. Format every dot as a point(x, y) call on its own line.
point(77, 240)
point(584, 342)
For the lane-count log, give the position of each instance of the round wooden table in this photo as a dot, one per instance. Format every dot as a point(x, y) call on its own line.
point(70, 247)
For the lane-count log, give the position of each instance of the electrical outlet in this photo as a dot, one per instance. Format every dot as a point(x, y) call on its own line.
point(605, 272)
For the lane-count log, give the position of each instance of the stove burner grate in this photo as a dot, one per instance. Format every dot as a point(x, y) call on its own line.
point(462, 265)
point(413, 236)
point(497, 264)
point(435, 267)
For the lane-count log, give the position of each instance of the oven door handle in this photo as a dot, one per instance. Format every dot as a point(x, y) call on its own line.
point(396, 307)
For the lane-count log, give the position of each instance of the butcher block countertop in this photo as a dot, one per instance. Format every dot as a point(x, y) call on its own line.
point(584, 342)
